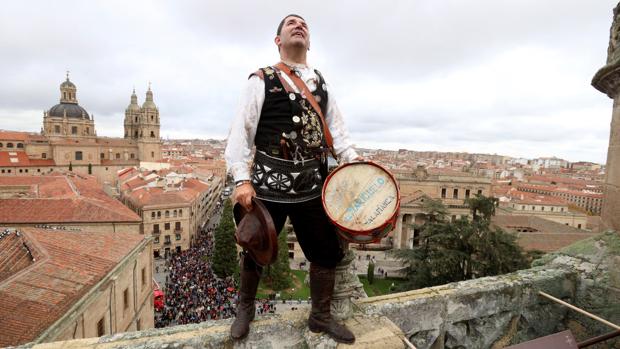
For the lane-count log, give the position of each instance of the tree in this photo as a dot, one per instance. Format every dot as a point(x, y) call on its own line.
point(370, 273)
point(460, 250)
point(90, 168)
point(70, 166)
point(278, 275)
point(225, 261)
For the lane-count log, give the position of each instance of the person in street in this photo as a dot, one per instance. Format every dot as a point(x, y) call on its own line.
point(287, 112)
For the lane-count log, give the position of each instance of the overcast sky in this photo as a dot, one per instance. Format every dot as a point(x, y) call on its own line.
point(492, 76)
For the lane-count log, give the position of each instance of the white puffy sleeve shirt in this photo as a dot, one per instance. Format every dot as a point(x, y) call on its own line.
point(238, 151)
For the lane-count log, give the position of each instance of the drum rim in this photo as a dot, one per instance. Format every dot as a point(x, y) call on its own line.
point(367, 232)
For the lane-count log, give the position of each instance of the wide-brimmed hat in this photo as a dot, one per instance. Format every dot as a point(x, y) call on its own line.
point(256, 232)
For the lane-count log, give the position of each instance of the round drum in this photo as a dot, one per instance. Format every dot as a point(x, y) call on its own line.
point(362, 199)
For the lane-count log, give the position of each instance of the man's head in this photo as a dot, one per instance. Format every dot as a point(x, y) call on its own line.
point(292, 31)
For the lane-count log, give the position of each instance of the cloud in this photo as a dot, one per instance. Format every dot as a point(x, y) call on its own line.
point(511, 77)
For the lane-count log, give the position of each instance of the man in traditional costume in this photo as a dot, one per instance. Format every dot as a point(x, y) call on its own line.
point(288, 114)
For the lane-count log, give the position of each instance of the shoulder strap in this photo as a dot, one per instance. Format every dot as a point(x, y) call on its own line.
point(310, 97)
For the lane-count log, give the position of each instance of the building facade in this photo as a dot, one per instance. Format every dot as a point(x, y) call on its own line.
point(68, 138)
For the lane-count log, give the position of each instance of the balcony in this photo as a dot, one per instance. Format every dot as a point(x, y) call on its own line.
point(167, 242)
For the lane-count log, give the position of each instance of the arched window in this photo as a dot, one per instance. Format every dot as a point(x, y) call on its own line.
point(20, 145)
point(136, 119)
point(167, 214)
point(158, 214)
point(9, 145)
point(180, 213)
point(152, 134)
point(174, 213)
point(1, 145)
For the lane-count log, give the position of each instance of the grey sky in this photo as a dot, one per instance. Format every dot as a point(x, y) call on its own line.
point(506, 77)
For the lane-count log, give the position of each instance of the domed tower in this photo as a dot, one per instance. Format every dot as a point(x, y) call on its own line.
point(149, 142)
point(68, 118)
point(133, 114)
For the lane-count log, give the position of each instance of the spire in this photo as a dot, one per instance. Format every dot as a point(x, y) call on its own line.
point(133, 105)
point(149, 99)
point(68, 91)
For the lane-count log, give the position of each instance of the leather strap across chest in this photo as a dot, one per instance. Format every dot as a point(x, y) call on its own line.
point(303, 88)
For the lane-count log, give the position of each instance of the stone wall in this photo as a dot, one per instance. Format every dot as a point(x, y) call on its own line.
point(489, 312)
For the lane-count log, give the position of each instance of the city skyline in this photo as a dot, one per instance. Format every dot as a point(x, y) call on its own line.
point(510, 78)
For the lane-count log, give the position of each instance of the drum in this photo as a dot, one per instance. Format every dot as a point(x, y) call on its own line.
point(362, 199)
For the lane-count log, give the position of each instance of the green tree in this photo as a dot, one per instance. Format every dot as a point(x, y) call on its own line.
point(90, 168)
point(370, 273)
point(278, 275)
point(70, 166)
point(460, 250)
point(225, 262)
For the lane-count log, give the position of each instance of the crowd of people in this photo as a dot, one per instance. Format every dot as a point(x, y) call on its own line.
point(193, 293)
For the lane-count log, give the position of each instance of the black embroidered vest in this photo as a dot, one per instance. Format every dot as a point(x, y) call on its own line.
point(290, 116)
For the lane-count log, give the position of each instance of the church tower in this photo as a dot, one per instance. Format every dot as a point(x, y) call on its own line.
point(147, 130)
point(133, 114)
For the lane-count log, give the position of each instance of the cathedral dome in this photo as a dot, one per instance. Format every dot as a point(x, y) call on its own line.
point(67, 83)
point(73, 111)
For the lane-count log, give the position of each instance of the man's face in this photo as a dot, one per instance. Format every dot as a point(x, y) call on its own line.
point(294, 33)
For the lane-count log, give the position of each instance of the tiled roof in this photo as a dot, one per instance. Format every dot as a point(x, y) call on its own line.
point(14, 135)
point(19, 158)
point(71, 264)
point(59, 199)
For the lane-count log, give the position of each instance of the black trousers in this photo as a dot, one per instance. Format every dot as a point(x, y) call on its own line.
point(315, 233)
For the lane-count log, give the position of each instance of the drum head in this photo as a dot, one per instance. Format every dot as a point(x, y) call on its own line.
point(360, 196)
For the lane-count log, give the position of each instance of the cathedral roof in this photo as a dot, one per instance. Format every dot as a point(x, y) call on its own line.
point(73, 110)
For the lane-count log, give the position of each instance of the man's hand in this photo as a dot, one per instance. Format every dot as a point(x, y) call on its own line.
point(244, 194)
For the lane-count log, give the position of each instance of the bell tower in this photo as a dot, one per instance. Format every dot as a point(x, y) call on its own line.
point(133, 114)
point(147, 129)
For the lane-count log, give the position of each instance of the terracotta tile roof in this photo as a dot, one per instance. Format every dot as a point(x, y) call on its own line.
point(19, 158)
point(71, 263)
point(14, 135)
point(59, 199)
point(157, 196)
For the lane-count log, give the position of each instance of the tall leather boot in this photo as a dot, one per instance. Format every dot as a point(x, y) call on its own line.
point(321, 289)
point(246, 309)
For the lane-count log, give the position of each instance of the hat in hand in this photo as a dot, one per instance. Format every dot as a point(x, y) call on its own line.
point(256, 232)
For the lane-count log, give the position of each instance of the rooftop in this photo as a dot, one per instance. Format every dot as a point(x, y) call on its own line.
point(59, 198)
point(70, 264)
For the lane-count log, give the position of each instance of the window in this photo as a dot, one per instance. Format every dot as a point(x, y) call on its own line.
point(143, 276)
point(552, 209)
point(1, 145)
point(43, 155)
point(156, 240)
point(20, 170)
point(138, 325)
point(467, 193)
point(153, 154)
point(9, 145)
point(2, 170)
point(56, 128)
point(136, 119)
point(177, 236)
point(167, 239)
point(166, 226)
point(533, 208)
point(20, 145)
point(174, 213)
point(177, 225)
point(152, 134)
point(523, 207)
point(133, 156)
point(443, 193)
point(73, 130)
point(102, 155)
point(156, 228)
point(455, 194)
point(118, 155)
point(101, 327)
point(578, 226)
point(135, 134)
point(38, 170)
point(153, 215)
point(158, 214)
point(562, 209)
point(87, 130)
point(126, 299)
point(78, 155)
point(180, 213)
point(167, 214)
point(542, 208)
point(479, 191)
point(26, 170)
